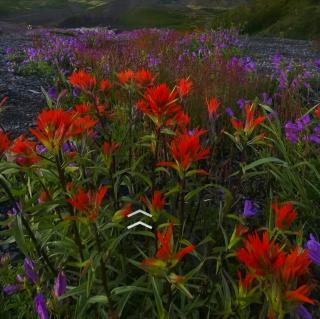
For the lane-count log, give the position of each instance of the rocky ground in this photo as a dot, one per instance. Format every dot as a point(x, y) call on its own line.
point(24, 92)
point(23, 101)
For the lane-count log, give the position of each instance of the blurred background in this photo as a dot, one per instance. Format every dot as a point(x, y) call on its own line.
point(299, 19)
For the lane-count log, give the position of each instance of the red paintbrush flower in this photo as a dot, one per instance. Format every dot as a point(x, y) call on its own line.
point(105, 86)
point(245, 283)
point(184, 87)
point(317, 112)
point(165, 256)
point(122, 213)
point(157, 202)
point(83, 80)
point(125, 77)
point(25, 152)
point(285, 215)
point(109, 148)
point(144, 78)
point(186, 149)
point(55, 127)
point(88, 202)
point(251, 121)
point(261, 256)
point(213, 105)
point(301, 294)
point(4, 142)
point(83, 108)
point(296, 265)
point(160, 104)
point(237, 124)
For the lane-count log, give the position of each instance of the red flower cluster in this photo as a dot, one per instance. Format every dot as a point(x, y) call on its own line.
point(142, 78)
point(88, 83)
point(160, 104)
point(261, 256)
point(25, 152)
point(184, 87)
point(186, 149)
point(266, 260)
point(251, 122)
point(285, 215)
point(165, 256)
point(157, 202)
point(213, 104)
point(88, 202)
point(55, 127)
point(122, 213)
point(4, 143)
point(83, 80)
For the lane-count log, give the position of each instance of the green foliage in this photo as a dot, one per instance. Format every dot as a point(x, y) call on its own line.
point(39, 68)
point(283, 18)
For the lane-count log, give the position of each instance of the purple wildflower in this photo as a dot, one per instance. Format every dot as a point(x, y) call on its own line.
point(303, 313)
point(317, 63)
point(15, 210)
point(192, 132)
point(52, 93)
point(229, 111)
point(312, 138)
point(291, 131)
point(266, 99)
point(313, 247)
point(75, 92)
point(40, 306)
point(11, 289)
point(60, 285)
point(40, 149)
point(304, 121)
point(248, 209)
point(68, 147)
point(241, 103)
point(29, 268)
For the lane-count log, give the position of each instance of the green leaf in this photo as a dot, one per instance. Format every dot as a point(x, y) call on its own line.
point(262, 161)
point(99, 299)
point(160, 309)
point(130, 289)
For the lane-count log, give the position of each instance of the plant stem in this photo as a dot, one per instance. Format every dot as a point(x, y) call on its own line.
point(181, 201)
point(63, 184)
point(104, 271)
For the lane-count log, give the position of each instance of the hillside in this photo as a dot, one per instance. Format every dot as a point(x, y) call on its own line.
point(284, 18)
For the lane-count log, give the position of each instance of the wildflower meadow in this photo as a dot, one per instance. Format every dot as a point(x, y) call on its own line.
point(213, 155)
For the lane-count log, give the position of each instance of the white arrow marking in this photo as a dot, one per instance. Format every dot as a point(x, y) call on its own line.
point(139, 223)
point(139, 211)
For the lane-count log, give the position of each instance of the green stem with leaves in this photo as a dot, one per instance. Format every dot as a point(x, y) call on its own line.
point(104, 271)
point(63, 184)
point(40, 251)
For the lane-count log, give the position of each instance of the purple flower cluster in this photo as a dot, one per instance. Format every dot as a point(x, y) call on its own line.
point(302, 129)
point(313, 247)
point(31, 275)
point(293, 130)
point(288, 75)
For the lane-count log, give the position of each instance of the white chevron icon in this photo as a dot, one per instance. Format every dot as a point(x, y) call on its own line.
point(139, 211)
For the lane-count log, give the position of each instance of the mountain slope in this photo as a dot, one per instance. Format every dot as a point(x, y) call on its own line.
point(284, 18)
